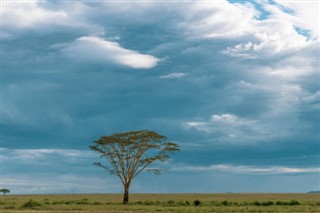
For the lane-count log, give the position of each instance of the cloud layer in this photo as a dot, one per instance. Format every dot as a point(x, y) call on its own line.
point(235, 83)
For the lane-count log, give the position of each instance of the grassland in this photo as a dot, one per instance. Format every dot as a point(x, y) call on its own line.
point(175, 203)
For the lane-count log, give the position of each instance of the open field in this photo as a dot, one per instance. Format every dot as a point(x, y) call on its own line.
point(175, 203)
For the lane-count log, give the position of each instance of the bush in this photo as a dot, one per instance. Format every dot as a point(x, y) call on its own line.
point(256, 203)
point(170, 202)
point(290, 203)
point(31, 204)
point(97, 203)
point(226, 203)
point(197, 203)
point(9, 207)
point(294, 202)
point(267, 203)
point(83, 202)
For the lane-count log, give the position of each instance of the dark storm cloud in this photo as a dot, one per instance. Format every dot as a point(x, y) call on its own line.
point(229, 93)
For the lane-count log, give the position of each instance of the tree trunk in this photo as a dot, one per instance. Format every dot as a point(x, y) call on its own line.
point(126, 194)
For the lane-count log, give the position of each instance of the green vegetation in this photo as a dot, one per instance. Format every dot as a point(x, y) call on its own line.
point(4, 191)
point(130, 153)
point(31, 204)
point(196, 203)
point(152, 203)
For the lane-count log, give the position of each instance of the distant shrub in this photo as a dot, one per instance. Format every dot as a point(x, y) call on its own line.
point(267, 203)
point(256, 203)
point(294, 202)
point(83, 202)
point(226, 203)
point(9, 207)
point(139, 202)
point(288, 203)
point(170, 202)
point(97, 203)
point(56, 202)
point(31, 204)
point(196, 202)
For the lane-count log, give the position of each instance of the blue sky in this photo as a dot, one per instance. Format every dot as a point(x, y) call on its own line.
point(234, 83)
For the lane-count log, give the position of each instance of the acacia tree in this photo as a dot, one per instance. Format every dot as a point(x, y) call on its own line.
point(130, 153)
point(4, 191)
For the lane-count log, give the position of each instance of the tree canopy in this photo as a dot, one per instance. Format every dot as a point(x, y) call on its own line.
point(130, 153)
point(4, 191)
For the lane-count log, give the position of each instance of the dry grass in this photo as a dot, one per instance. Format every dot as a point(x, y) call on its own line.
point(175, 203)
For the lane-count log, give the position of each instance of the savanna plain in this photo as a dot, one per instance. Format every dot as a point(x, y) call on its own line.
point(175, 203)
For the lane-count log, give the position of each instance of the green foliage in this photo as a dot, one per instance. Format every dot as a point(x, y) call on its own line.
point(170, 202)
point(256, 203)
point(294, 202)
point(226, 203)
point(83, 202)
point(97, 203)
point(31, 204)
point(4, 191)
point(267, 203)
point(196, 202)
point(183, 203)
point(130, 153)
point(287, 203)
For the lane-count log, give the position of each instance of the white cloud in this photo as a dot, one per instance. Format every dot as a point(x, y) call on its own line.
point(305, 14)
point(41, 155)
point(245, 169)
point(96, 49)
point(232, 129)
point(273, 35)
point(223, 122)
point(268, 37)
point(173, 75)
point(208, 19)
point(32, 13)
point(202, 126)
point(231, 119)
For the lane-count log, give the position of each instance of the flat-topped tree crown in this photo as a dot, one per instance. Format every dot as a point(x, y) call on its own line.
point(4, 191)
point(130, 153)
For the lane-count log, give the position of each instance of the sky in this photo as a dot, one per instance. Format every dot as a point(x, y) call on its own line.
point(234, 83)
